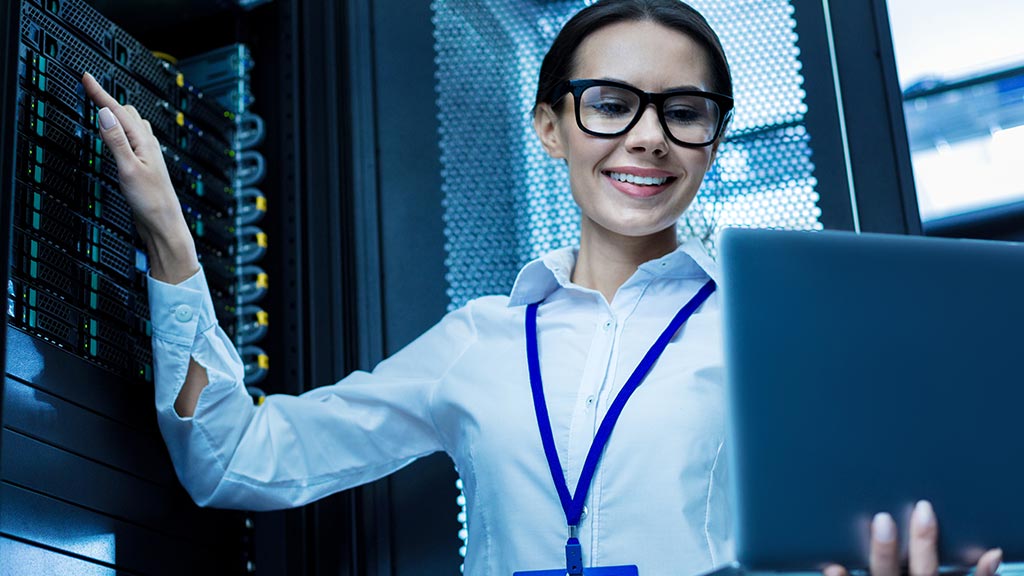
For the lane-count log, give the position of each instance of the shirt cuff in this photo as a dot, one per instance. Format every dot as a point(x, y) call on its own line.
point(180, 311)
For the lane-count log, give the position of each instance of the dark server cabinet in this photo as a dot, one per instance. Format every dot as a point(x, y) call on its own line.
point(86, 486)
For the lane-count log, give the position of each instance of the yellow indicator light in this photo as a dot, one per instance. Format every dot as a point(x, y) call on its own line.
point(262, 281)
point(262, 318)
point(180, 119)
point(261, 239)
point(180, 80)
point(261, 203)
point(264, 361)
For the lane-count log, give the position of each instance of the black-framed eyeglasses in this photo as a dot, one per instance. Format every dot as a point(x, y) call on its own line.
point(608, 108)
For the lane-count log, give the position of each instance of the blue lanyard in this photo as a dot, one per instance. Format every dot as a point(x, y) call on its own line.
point(572, 505)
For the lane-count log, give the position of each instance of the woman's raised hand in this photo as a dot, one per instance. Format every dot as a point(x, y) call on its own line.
point(146, 185)
point(923, 547)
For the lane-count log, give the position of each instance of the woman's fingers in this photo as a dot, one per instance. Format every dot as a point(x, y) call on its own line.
point(116, 140)
point(141, 171)
point(136, 117)
point(130, 125)
point(835, 570)
point(924, 540)
point(989, 562)
point(885, 549)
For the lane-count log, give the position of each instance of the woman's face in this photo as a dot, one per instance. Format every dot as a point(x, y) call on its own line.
point(653, 58)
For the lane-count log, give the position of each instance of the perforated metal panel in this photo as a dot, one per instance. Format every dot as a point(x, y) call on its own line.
point(506, 202)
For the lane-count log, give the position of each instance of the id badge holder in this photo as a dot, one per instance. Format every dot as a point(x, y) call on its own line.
point(574, 563)
point(595, 571)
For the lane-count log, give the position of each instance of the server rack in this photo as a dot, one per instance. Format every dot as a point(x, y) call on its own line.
point(325, 301)
point(87, 486)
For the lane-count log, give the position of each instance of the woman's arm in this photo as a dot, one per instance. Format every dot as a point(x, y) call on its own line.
point(291, 449)
point(147, 186)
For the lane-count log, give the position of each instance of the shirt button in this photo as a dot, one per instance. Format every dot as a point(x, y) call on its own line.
point(607, 325)
point(590, 400)
point(183, 313)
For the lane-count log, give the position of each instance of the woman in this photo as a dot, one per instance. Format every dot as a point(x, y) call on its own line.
point(634, 95)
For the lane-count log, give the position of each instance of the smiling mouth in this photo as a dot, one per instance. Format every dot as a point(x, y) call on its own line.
point(639, 180)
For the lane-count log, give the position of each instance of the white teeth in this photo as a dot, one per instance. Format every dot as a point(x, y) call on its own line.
point(642, 180)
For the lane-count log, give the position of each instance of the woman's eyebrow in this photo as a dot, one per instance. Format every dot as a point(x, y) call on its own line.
point(685, 87)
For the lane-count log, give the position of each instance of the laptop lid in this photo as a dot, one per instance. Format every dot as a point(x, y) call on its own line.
point(866, 372)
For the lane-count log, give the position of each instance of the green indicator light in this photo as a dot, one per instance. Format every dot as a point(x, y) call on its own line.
point(33, 269)
point(35, 220)
point(37, 174)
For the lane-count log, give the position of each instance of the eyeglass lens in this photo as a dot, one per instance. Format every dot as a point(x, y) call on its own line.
point(609, 110)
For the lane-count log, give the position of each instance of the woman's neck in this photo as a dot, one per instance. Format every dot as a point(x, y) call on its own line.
point(606, 259)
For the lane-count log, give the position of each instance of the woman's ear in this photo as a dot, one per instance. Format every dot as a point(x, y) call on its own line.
point(545, 124)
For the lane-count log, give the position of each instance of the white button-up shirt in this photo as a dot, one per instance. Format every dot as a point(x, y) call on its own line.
point(658, 499)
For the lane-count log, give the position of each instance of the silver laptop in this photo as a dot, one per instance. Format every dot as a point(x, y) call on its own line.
point(866, 372)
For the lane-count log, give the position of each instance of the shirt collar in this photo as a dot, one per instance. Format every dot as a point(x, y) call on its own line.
point(538, 279)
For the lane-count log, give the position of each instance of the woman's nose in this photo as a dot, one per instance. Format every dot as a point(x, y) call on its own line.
point(648, 136)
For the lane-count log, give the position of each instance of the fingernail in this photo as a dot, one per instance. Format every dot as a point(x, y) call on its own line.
point(107, 119)
point(924, 513)
point(883, 527)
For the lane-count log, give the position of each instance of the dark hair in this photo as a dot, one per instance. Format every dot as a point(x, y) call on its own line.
point(560, 60)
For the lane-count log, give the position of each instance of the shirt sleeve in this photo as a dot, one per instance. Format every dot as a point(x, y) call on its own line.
point(290, 450)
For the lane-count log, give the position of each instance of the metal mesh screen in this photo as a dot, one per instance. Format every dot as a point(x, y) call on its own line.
point(506, 202)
